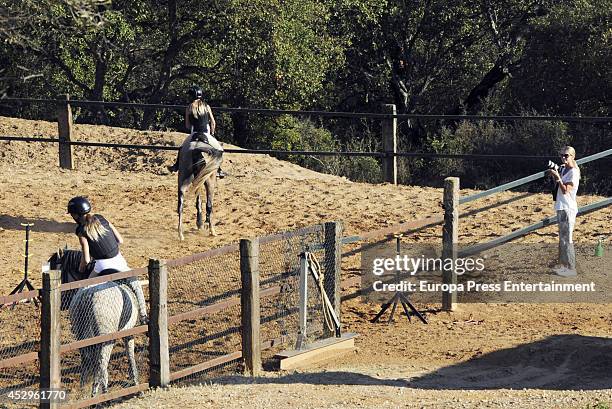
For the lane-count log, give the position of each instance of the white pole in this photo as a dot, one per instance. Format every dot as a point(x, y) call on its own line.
point(301, 340)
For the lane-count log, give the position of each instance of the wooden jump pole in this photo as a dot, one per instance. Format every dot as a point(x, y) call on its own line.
point(50, 335)
point(332, 268)
point(159, 352)
point(389, 134)
point(64, 130)
point(249, 306)
point(450, 237)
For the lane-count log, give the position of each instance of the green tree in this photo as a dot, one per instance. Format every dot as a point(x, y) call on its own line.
point(567, 68)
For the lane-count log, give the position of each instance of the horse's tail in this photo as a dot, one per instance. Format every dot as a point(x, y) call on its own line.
point(213, 162)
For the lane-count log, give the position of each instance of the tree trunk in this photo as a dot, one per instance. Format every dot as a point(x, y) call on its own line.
point(97, 93)
point(494, 76)
point(240, 123)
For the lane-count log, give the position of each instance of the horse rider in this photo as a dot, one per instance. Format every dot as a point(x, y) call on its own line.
point(199, 120)
point(100, 242)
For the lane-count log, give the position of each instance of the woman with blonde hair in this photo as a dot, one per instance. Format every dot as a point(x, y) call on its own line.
point(100, 242)
point(200, 122)
point(566, 206)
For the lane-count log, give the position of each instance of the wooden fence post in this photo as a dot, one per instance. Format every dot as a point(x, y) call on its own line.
point(159, 353)
point(50, 335)
point(450, 237)
point(389, 134)
point(332, 268)
point(249, 305)
point(64, 130)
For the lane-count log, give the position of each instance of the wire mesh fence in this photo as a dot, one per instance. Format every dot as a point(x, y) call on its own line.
point(205, 346)
point(196, 337)
point(20, 335)
point(280, 267)
point(103, 349)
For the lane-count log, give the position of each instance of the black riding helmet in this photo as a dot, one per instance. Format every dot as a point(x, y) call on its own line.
point(195, 92)
point(79, 205)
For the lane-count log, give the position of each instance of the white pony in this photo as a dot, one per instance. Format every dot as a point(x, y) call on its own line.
point(97, 310)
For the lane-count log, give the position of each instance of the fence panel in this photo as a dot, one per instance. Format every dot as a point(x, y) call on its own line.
point(280, 268)
point(19, 335)
point(104, 309)
point(204, 313)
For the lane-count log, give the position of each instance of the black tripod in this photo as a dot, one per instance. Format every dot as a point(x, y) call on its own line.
point(25, 283)
point(398, 297)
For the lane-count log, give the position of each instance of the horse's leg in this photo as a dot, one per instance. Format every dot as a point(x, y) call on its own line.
point(209, 184)
point(101, 376)
point(86, 364)
point(133, 369)
point(179, 210)
point(95, 362)
point(199, 210)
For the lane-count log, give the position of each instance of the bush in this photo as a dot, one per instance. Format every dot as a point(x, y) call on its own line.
point(539, 138)
point(290, 133)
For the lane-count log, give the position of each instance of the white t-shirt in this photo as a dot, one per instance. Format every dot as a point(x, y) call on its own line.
point(568, 201)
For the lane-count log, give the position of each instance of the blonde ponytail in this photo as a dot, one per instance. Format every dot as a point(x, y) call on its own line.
point(198, 108)
point(93, 228)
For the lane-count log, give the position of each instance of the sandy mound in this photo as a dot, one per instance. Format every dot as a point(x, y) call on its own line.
point(265, 195)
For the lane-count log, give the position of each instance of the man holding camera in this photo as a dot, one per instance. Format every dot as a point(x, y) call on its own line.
point(567, 178)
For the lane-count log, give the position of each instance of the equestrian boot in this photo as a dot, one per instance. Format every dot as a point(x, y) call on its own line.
point(142, 305)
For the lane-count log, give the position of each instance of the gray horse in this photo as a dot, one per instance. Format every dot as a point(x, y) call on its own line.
point(97, 310)
point(196, 177)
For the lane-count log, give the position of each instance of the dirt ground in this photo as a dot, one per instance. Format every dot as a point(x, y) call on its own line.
point(484, 355)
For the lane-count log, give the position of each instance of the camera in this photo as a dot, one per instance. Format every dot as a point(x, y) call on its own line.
point(553, 166)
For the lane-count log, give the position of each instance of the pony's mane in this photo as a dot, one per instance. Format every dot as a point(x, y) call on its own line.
point(67, 260)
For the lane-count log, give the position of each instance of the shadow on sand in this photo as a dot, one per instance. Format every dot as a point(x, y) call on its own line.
point(316, 378)
point(40, 225)
point(559, 362)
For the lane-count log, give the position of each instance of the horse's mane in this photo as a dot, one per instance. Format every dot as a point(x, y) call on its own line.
point(66, 260)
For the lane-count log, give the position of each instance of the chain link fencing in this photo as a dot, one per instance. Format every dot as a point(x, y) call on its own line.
point(20, 335)
point(279, 266)
point(105, 365)
point(204, 314)
point(204, 320)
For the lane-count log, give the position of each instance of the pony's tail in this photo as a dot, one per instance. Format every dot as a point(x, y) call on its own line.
point(213, 162)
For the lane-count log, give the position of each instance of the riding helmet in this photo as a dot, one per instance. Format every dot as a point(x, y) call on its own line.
point(79, 205)
point(195, 92)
